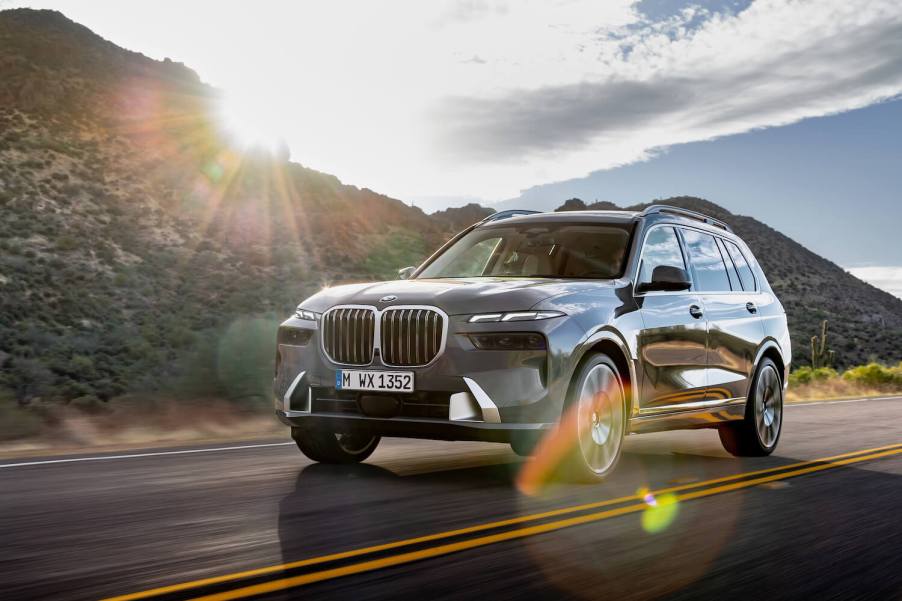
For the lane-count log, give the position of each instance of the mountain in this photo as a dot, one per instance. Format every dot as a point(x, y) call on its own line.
point(864, 322)
point(143, 253)
point(139, 249)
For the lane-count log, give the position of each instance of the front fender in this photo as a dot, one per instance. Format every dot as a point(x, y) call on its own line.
point(604, 316)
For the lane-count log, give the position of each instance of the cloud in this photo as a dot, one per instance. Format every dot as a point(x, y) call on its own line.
point(693, 76)
point(474, 60)
point(488, 97)
point(885, 278)
point(465, 11)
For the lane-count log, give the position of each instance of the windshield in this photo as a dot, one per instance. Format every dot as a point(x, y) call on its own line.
point(549, 250)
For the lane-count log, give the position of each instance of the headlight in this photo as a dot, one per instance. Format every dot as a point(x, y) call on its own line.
point(294, 336)
point(515, 316)
point(514, 341)
point(305, 314)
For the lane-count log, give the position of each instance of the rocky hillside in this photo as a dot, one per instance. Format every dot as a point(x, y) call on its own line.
point(864, 322)
point(139, 250)
point(142, 253)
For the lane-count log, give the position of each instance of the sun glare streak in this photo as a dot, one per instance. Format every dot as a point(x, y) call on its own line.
point(552, 453)
point(226, 154)
point(297, 221)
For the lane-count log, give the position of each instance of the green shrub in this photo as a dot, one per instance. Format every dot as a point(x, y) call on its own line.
point(89, 403)
point(244, 358)
point(399, 249)
point(16, 421)
point(67, 242)
point(874, 374)
point(807, 375)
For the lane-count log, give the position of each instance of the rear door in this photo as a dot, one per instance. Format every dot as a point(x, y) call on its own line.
point(671, 344)
point(734, 331)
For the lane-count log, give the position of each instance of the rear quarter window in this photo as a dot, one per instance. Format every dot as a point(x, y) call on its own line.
point(746, 277)
point(707, 262)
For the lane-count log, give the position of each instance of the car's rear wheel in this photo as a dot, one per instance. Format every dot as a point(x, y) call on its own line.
point(758, 433)
point(334, 447)
point(597, 412)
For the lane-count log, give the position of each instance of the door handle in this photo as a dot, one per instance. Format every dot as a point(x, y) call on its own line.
point(750, 307)
point(696, 311)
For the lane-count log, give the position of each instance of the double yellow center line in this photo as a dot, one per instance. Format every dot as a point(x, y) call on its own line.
point(684, 492)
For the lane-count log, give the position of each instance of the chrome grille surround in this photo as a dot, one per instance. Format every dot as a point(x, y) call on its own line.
point(411, 335)
point(347, 334)
point(406, 335)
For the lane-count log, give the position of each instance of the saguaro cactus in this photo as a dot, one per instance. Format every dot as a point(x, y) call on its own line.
point(821, 356)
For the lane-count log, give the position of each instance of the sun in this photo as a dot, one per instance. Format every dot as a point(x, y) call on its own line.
point(250, 123)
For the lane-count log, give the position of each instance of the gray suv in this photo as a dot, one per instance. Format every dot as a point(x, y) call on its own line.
point(579, 327)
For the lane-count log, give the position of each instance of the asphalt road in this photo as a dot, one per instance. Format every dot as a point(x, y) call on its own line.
point(795, 527)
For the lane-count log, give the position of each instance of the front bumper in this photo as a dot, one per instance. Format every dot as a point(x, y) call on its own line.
point(465, 394)
point(435, 429)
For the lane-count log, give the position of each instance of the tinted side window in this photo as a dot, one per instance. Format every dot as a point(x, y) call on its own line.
point(742, 266)
point(662, 247)
point(705, 257)
point(731, 270)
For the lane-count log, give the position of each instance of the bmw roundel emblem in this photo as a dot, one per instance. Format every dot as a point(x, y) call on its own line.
point(387, 299)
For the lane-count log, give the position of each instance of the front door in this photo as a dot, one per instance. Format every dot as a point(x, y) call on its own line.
point(672, 342)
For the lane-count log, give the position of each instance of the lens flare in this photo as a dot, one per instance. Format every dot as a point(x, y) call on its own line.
point(660, 513)
point(550, 454)
point(647, 497)
point(553, 452)
point(214, 171)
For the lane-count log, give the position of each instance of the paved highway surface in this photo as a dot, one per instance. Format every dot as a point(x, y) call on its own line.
point(232, 522)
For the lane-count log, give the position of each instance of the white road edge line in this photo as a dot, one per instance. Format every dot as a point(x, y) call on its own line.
point(837, 402)
point(154, 454)
point(282, 444)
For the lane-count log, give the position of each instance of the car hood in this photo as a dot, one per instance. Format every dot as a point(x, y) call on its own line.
point(454, 296)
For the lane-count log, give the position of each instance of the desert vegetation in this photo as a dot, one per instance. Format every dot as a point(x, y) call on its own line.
point(871, 379)
point(145, 259)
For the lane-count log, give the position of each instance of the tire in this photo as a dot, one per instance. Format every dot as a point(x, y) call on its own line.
point(596, 416)
point(759, 431)
point(335, 448)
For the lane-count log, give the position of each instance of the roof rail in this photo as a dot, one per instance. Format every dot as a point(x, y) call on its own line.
point(686, 213)
point(506, 214)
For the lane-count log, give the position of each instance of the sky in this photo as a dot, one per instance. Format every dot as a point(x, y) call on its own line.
point(445, 101)
point(832, 183)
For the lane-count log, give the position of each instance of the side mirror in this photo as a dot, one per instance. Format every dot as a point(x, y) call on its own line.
point(404, 274)
point(666, 277)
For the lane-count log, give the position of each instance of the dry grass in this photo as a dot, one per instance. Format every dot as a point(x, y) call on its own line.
point(133, 424)
point(836, 388)
point(142, 423)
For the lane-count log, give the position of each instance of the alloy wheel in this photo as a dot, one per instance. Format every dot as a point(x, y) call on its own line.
point(600, 418)
point(768, 406)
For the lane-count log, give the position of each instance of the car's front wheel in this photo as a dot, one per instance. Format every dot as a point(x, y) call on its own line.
point(334, 447)
point(596, 416)
point(759, 431)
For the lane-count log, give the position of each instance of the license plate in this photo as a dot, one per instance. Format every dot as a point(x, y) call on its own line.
point(381, 381)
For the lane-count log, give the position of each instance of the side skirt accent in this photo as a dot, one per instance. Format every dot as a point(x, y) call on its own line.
point(701, 414)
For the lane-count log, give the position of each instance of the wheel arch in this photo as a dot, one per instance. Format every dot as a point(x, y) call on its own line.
point(611, 343)
point(770, 349)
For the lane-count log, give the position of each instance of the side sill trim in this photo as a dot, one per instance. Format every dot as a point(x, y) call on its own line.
point(690, 407)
